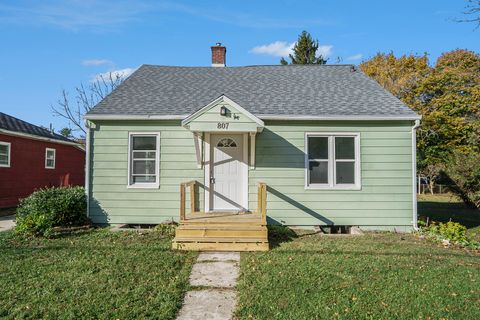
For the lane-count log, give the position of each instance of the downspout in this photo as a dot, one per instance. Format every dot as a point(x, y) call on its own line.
point(414, 173)
point(87, 166)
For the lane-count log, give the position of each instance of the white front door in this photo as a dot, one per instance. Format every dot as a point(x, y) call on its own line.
point(228, 172)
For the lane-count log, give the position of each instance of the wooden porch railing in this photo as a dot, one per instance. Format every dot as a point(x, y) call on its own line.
point(183, 187)
point(262, 201)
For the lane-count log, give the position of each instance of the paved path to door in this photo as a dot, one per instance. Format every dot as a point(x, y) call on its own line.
point(214, 277)
point(7, 223)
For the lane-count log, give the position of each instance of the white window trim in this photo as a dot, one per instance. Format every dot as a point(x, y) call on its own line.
point(9, 147)
point(331, 162)
point(149, 185)
point(54, 158)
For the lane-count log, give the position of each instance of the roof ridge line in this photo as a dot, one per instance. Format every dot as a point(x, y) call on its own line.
point(250, 66)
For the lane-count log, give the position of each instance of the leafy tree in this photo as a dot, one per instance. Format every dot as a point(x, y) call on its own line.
point(305, 51)
point(464, 171)
point(449, 100)
point(66, 132)
point(433, 173)
point(447, 95)
point(398, 75)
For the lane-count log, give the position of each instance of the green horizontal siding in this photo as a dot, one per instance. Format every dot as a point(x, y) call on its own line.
point(384, 200)
point(385, 197)
point(111, 200)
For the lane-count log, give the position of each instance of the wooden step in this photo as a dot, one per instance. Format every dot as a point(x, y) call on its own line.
point(203, 232)
point(220, 243)
point(243, 222)
point(220, 246)
point(221, 227)
point(219, 239)
point(221, 232)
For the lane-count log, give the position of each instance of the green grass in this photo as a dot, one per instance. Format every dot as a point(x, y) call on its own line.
point(446, 207)
point(375, 276)
point(92, 274)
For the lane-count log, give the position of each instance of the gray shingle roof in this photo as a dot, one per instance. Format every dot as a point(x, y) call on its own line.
point(10, 123)
point(299, 90)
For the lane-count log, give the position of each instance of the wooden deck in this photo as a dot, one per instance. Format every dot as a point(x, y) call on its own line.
point(222, 231)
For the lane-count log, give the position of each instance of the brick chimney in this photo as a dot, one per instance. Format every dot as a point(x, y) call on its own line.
point(219, 53)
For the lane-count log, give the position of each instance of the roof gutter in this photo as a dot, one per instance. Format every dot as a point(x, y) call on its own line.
point(133, 117)
point(337, 117)
point(261, 116)
point(34, 137)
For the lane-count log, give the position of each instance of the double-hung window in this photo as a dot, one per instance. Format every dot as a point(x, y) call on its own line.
point(49, 158)
point(4, 154)
point(144, 160)
point(332, 161)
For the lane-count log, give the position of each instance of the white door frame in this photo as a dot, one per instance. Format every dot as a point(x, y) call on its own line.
point(207, 171)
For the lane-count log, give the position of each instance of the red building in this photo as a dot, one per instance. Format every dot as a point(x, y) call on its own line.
point(33, 157)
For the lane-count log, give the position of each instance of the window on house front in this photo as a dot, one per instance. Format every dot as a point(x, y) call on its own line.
point(332, 161)
point(4, 154)
point(144, 163)
point(49, 158)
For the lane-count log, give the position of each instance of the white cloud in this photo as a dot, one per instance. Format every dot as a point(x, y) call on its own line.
point(122, 73)
point(283, 49)
point(324, 51)
point(355, 57)
point(276, 49)
point(95, 62)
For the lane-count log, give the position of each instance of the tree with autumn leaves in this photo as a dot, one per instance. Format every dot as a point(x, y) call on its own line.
point(447, 95)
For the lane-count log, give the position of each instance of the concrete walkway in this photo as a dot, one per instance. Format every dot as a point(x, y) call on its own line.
point(7, 223)
point(215, 275)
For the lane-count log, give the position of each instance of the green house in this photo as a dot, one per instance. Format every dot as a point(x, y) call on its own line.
point(304, 145)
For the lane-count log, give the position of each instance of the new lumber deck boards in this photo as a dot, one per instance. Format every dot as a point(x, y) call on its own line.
point(221, 231)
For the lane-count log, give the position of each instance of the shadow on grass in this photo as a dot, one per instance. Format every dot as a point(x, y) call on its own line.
point(278, 234)
point(444, 211)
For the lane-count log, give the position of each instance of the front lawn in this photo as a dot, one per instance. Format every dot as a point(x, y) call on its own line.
point(374, 276)
point(92, 274)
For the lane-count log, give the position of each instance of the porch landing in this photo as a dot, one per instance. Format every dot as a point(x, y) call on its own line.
point(222, 231)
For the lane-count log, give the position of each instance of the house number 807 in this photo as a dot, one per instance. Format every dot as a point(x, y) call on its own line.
point(222, 125)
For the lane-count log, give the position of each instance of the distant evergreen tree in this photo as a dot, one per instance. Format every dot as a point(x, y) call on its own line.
point(66, 132)
point(305, 51)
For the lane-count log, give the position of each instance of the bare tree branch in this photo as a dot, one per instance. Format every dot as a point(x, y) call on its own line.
point(86, 97)
point(472, 9)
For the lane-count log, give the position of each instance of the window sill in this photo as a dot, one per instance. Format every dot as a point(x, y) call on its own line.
point(334, 188)
point(4, 166)
point(49, 168)
point(144, 186)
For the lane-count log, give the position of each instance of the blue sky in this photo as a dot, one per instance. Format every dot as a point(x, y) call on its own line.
point(49, 45)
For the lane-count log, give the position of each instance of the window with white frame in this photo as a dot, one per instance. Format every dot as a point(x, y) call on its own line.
point(4, 154)
point(144, 159)
point(49, 158)
point(332, 160)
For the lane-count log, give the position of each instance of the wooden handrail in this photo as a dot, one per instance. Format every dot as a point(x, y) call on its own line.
point(262, 201)
point(183, 187)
